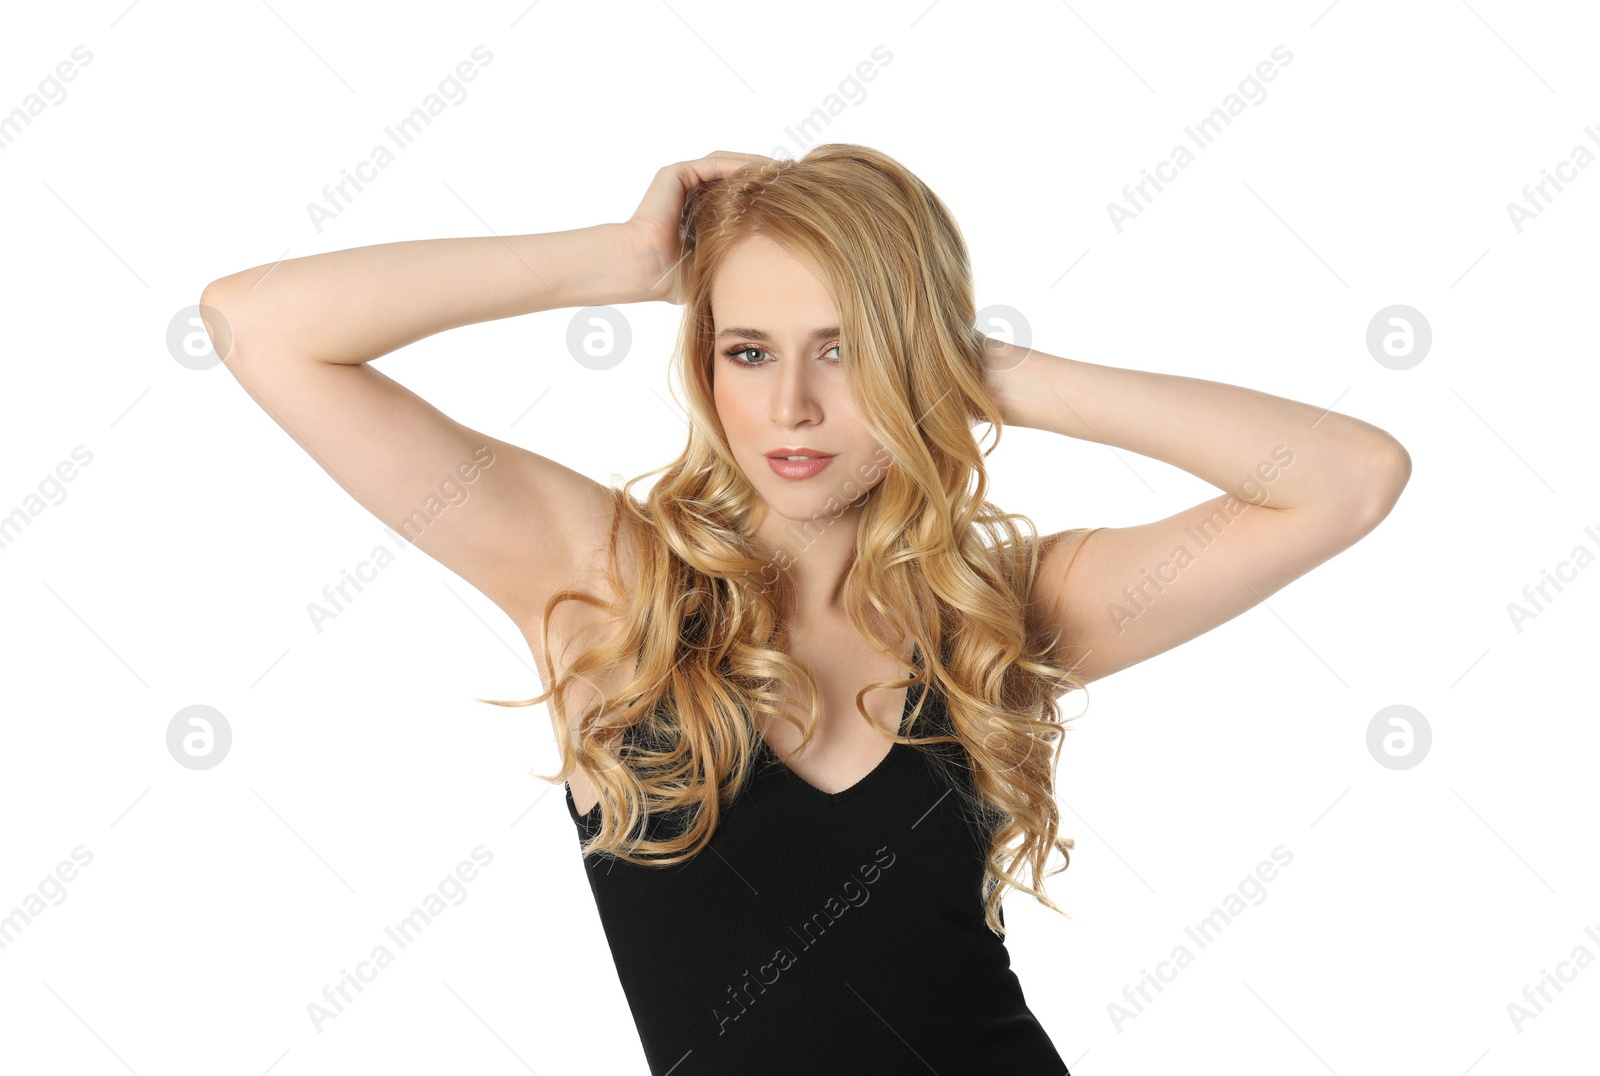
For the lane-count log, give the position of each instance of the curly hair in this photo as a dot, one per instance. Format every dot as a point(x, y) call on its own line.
point(700, 623)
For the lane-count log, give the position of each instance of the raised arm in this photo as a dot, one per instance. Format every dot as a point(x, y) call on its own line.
point(304, 331)
point(300, 336)
point(1300, 484)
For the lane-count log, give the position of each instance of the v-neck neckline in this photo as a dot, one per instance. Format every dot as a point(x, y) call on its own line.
point(895, 749)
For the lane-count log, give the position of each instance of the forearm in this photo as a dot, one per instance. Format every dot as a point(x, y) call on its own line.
point(351, 306)
point(1231, 437)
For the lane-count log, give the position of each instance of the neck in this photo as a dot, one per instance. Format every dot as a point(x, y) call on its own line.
point(815, 555)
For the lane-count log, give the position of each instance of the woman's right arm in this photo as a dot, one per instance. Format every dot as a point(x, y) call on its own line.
point(300, 335)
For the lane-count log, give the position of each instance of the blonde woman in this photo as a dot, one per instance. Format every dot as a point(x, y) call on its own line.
point(806, 687)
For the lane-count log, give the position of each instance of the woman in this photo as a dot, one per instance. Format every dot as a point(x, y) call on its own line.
point(799, 829)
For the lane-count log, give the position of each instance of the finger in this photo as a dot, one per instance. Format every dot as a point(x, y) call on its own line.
point(674, 182)
point(710, 168)
point(720, 164)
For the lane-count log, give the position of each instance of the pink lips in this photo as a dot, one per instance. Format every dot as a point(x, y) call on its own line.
point(798, 469)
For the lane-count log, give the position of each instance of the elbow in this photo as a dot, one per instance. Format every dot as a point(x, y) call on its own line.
point(218, 293)
point(1388, 471)
point(216, 302)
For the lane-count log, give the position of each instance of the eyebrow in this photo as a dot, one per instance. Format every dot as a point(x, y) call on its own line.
point(757, 334)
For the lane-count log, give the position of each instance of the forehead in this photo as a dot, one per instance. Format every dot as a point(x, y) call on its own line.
point(762, 285)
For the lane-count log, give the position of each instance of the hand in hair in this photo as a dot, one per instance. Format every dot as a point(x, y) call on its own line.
point(655, 225)
point(999, 359)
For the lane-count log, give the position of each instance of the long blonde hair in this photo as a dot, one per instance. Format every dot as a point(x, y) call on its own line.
point(700, 621)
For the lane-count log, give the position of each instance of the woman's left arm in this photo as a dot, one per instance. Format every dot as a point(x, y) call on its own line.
point(1299, 485)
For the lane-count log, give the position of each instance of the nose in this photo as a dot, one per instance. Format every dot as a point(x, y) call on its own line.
point(794, 399)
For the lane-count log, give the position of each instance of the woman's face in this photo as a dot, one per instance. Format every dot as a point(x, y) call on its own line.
point(779, 383)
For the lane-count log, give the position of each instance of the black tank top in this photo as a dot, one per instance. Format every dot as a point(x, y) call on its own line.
point(823, 932)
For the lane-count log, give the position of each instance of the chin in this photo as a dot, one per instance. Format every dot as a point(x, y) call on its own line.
point(827, 506)
point(823, 497)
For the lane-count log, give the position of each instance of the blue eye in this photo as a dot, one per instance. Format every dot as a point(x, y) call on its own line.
point(734, 353)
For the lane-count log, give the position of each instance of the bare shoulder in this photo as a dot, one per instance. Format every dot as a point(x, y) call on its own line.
point(1058, 555)
point(576, 626)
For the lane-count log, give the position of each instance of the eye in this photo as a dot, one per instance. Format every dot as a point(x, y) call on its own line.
point(736, 352)
point(733, 354)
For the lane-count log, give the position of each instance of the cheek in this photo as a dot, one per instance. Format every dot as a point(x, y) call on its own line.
point(873, 459)
point(734, 413)
point(721, 398)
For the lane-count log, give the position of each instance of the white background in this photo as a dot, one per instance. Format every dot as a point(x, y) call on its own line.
point(178, 567)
